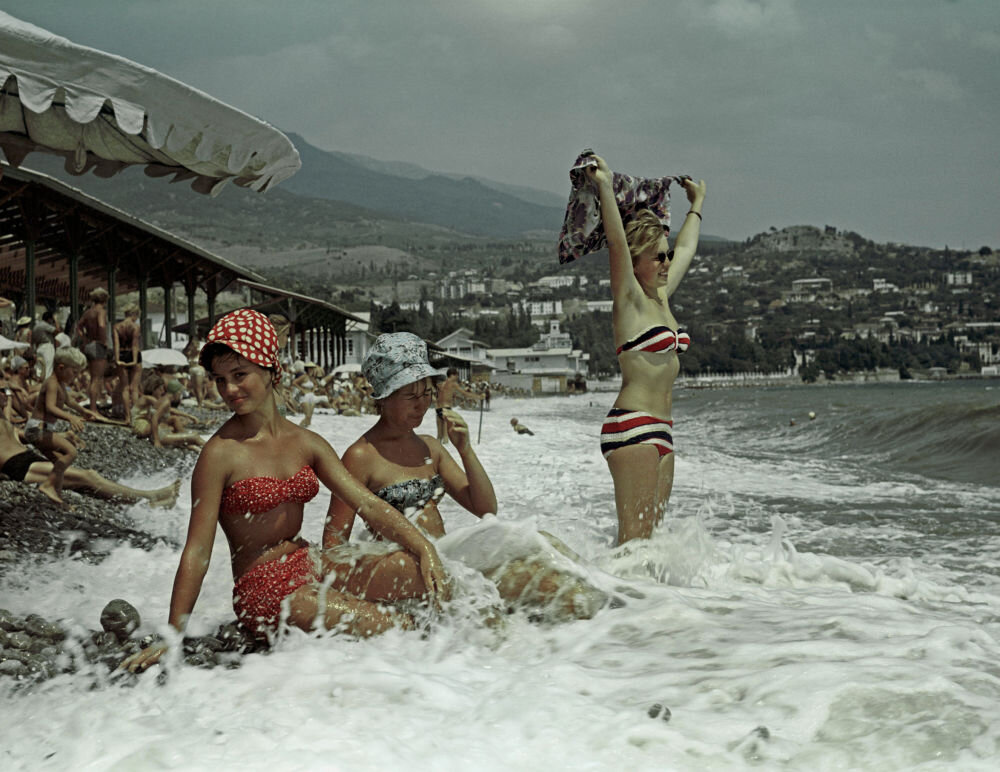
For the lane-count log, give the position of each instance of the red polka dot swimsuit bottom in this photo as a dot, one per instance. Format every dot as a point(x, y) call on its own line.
point(258, 594)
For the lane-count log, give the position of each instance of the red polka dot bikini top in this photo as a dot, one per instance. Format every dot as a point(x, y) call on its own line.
point(262, 494)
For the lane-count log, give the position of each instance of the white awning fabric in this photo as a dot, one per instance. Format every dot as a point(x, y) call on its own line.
point(103, 112)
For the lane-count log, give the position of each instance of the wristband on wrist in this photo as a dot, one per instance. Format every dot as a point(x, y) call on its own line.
point(696, 214)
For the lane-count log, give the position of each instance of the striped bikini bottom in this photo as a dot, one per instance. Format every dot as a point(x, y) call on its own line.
point(633, 427)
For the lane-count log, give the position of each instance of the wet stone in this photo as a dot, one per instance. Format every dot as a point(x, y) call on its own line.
point(13, 667)
point(8, 621)
point(120, 618)
point(42, 628)
point(18, 640)
point(656, 710)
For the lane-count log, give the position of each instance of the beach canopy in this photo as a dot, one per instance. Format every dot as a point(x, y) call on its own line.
point(164, 357)
point(102, 113)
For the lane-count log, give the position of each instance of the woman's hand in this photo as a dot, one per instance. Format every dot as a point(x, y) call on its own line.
point(602, 174)
point(458, 430)
point(695, 191)
point(143, 659)
point(432, 572)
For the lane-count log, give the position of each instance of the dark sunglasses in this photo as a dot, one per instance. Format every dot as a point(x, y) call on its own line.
point(662, 257)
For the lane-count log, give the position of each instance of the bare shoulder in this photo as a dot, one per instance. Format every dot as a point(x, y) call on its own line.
point(216, 457)
point(434, 446)
point(359, 453)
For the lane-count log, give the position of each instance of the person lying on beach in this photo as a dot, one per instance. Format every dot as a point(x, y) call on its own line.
point(155, 418)
point(252, 479)
point(413, 472)
point(59, 447)
point(520, 428)
point(447, 389)
point(21, 464)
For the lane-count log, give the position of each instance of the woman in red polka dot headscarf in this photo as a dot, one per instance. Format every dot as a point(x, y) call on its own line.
point(253, 478)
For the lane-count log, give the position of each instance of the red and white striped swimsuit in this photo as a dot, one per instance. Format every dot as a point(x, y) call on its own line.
point(657, 338)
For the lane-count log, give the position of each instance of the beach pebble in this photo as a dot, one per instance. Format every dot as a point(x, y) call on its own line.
point(656, 710)
point(17, 640)
point(8, 621)
point(120, 618)
point(42, 628)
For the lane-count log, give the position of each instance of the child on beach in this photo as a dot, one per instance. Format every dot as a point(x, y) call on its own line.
point(156, 418)
point(21, 464)
point(253, 478)
point(59, 447)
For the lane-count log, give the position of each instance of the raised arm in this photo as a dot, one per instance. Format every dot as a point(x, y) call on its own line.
point(687, 237)
point(470, 487)
point(623, 281)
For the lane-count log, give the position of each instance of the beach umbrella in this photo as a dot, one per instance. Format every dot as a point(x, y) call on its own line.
point(6, 344)
point(102, 113)
point(164, 357)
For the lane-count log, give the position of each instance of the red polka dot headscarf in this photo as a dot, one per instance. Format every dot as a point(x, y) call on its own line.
point(250, 334)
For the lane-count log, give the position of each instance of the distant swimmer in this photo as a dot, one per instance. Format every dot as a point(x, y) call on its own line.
point(520, 428)
point(812, 416)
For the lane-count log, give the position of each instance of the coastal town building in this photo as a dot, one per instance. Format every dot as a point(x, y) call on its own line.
point(550, 365)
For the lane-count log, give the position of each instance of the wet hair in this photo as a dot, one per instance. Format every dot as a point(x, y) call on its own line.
point(642, 231)
point(99, 295)
point(69, 356)
point(452, 371)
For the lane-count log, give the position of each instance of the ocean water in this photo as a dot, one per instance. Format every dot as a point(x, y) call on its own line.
point(823, 595)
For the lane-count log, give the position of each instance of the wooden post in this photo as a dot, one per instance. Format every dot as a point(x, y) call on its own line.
point(144, 311)
point(29, 277)
point(168, 315)
point(112, 295)
point(191, 288)
point(74, 290)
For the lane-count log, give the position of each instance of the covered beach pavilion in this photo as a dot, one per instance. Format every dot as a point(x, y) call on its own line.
point(57, 244)
point(102, 113)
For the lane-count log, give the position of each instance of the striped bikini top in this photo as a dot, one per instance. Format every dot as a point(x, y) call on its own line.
point(657, 339)
point(262, 494)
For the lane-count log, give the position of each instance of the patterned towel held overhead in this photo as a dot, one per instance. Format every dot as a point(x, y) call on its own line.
point(582, 231)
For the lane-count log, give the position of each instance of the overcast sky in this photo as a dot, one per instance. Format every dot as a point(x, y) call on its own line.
point(878, 116)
